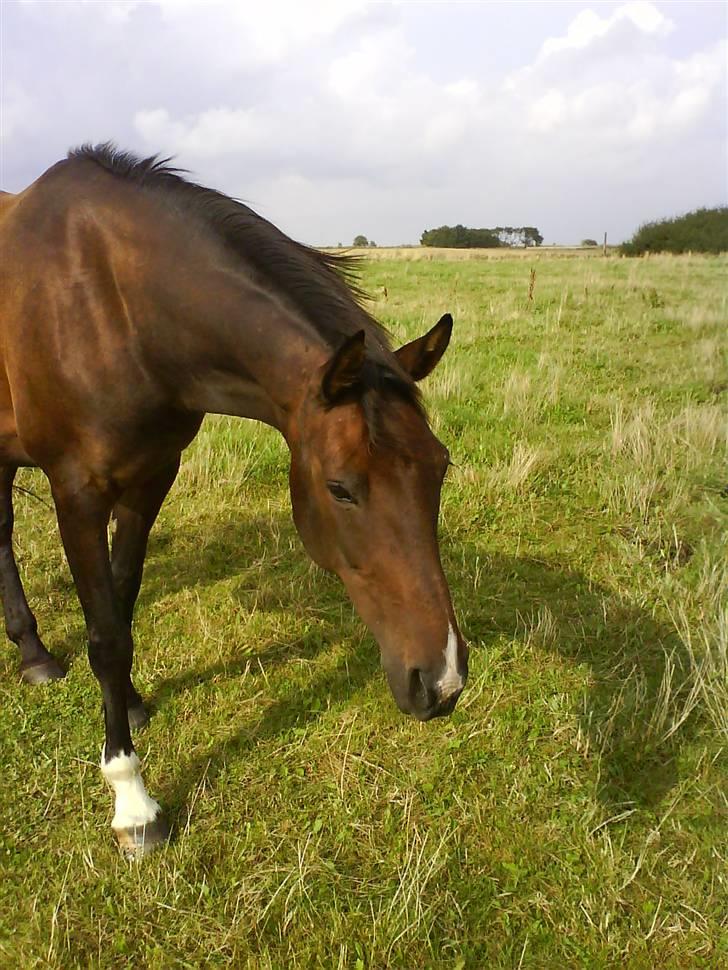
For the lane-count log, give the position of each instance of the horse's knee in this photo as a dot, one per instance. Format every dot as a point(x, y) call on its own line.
point(110, 656)
point(126, 588)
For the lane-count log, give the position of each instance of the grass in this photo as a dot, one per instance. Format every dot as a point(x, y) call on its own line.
point(572, 812)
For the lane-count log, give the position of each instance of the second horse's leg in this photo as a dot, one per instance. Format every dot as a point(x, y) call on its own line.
point(36, 664)
point(135, 513)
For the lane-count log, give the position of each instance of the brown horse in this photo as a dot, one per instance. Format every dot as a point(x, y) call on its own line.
point(132, 301)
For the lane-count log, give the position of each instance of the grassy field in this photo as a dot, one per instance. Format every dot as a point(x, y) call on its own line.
point(572, 813)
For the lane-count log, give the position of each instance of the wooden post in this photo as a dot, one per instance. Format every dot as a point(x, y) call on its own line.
point(605, 244)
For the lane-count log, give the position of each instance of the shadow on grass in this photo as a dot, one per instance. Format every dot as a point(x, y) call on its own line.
point(625, 713)
point(294, 710)
point(623, 646)
point(625, 649)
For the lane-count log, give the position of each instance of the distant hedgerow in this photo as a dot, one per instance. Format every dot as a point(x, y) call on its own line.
point(462, 237)
point(701, 231)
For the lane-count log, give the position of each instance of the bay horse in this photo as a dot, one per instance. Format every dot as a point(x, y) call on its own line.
point(132, 302)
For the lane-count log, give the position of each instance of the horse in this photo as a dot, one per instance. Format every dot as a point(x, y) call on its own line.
point(133, 301)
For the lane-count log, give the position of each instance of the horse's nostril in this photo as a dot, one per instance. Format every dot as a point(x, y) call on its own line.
point(421, 694)
point(425, 696)
point(418, 690)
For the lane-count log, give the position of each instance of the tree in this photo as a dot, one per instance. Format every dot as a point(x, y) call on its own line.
point(360, 241)
point(589, 242)
point(701, 231)
point(507, 235)
point(460, 237)
point(372, 244)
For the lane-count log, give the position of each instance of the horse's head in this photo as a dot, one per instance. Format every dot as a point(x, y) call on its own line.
point(366, 474)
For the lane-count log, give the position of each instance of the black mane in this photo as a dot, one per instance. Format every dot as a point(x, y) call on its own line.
point(322, 286)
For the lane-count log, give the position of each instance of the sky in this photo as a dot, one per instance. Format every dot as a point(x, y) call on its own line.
point(338, 117)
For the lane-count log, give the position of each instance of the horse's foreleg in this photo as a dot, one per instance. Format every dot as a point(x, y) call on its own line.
point(83, 516)
point(36, 664)
point(135, 513)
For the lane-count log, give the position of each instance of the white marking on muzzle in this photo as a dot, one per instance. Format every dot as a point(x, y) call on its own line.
point(133, 808)
point(451, 681)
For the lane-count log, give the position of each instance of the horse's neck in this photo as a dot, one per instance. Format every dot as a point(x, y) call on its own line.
point(240, 352)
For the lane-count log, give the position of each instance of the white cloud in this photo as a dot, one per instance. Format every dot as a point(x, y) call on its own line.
point(370, 110)
point(267, 31)
point(212, 133)
point(588, 27)
point(374, 110)
point(379, 60)
point(326, 114)
point(608, 83)
point(18, 110)
point(548, 111)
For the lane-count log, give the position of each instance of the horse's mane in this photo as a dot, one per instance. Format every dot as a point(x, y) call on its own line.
point(323, 287)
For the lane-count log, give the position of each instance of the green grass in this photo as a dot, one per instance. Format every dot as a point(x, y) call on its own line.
point(571, 813)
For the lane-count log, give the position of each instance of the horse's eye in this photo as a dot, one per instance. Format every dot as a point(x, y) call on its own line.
point(340, 493)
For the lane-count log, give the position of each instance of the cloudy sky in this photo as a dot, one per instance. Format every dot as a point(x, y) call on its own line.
point(333, 118)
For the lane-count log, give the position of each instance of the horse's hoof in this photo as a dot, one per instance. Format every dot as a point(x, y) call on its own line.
point(138, 841)
point(41, 673)
point(138, 717)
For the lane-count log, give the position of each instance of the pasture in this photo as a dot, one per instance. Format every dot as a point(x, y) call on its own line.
point(572, 812)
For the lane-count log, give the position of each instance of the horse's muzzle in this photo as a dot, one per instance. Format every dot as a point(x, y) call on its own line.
point(428, 699)
point(430, 689)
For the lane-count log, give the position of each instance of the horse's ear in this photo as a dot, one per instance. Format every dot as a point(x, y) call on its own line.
point(343, 371)
point(421, 356)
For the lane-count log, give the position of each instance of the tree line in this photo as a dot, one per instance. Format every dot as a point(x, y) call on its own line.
point(700, 231)
point(462, 237)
